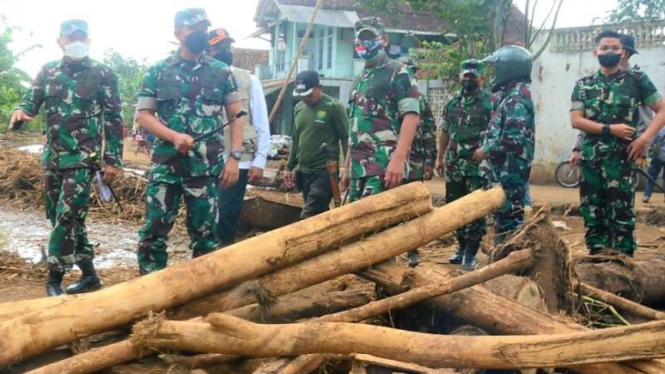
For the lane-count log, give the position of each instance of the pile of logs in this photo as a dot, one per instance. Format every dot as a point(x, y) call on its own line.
point(239, 307)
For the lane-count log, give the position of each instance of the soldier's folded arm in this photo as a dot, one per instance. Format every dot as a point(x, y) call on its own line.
point(112, 117)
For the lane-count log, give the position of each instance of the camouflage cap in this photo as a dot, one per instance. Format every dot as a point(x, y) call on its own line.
point(372, 24)
point(190, 17)
point(471, 66)
point(69, 27)
point(628, 42)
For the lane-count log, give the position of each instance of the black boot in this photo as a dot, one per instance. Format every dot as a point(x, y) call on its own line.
point(53, 284)
point(89, 281)
point(414, 258)
point(469, 263)
point(459, 254)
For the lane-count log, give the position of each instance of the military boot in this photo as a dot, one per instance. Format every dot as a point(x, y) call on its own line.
point(469, 262)
point(89, 280)
point(459, 254)
point(414, 258)
point(53, 284)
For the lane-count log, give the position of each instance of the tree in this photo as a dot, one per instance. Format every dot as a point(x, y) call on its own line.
point(130, 73)
point(637, 10)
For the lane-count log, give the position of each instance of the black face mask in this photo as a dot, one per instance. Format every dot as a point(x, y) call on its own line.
point(225, 56)
point(609, 60)
point(197, 42)
point(469, 85)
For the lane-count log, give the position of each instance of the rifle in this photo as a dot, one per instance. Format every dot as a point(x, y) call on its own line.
point(332, 168)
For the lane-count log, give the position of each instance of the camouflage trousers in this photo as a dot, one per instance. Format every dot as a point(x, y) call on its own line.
point(457, 187)
point(510, 216)
point(162, 205)
point(360, 188)
point(67, 193)
point(607, 197)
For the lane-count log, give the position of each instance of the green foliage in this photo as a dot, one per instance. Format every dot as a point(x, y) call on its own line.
point(12, 80)
point(130, 73)
point(637, 10)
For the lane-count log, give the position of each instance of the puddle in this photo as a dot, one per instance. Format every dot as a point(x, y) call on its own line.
point(32, 148)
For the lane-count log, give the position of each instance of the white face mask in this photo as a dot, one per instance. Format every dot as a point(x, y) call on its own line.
point(77, 50)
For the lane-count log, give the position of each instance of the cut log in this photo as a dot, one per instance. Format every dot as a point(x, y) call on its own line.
point(496, 314)
point(351, 257)
point(230, 335)
point(632, 307)
point(521, 289)
point(515, 262)
point(355, 256)
point(639, 280)
point(552, 267)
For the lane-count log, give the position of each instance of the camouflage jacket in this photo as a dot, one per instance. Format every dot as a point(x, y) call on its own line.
point(188, 97)
point(423, 149)
point(465, 119)
point(510, 140)
point(379, 98)
point(83, 112)
point(610, 100)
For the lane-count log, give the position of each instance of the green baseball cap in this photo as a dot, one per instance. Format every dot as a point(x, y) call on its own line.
point(69, 27)
point(372, 24)
point(190, 17)
point(471, 66)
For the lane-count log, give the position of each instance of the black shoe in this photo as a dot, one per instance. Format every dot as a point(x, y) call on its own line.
point(414, 259)
point(86, 283)
point(53, 284)
point(457, 257)
point(469, 262)
point(645, 199)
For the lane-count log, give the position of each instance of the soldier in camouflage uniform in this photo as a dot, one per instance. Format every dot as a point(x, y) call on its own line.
point(385, 111)
point(187, 91)
point(605, 106)
point(423, 150)
point(463, 127)
point(510, 139)
point(83, 110)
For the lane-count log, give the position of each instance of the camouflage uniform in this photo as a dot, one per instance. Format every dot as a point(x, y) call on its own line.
point(509, 148)
point(606, 191)
point(380, 97)
point(465, 120)
point(82, 111)
point(423, 149)
point(188, 96)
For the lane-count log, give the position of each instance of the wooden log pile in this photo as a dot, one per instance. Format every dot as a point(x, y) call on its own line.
point(266, 305)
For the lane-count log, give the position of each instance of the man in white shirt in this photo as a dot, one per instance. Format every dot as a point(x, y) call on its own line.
point(256, 137)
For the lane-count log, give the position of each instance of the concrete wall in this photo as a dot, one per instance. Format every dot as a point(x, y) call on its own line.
point(554, 75)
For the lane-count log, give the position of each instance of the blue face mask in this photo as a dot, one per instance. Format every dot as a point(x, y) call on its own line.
point(368, 49)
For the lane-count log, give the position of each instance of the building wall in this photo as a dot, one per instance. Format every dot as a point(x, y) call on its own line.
point(566, 60)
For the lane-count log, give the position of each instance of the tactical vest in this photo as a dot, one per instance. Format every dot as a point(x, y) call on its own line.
point(244, 79)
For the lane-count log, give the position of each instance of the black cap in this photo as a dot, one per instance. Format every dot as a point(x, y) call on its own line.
point(628, 42)
point(219, 35)
point(305, 83)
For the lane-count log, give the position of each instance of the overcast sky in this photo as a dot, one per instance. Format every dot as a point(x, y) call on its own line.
point(144, 29)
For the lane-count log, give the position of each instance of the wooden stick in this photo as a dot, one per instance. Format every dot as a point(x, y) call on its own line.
point(400, 366)
point(230, 335)
point(621, 303)
point(32, 333)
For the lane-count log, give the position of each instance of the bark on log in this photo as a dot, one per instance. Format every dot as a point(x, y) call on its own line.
point(355, 256)
point(494, 313)
point(230, 335)
point(632, 307)
point(639, 280)
point(367, 360)
point(351, 257)
point(515, 262)
point(520, 289)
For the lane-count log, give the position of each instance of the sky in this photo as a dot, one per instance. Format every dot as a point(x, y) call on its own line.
point(144, 29)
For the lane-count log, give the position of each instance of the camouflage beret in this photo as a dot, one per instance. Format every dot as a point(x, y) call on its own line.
point(69, 27)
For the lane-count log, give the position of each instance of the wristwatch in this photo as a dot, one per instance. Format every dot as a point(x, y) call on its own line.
point(606, 129)
point(236, 154)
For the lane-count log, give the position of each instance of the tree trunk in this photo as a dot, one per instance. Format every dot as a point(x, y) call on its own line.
point(355, 256)
point(82, 315)
point(352, 257)
point(494, 313)
point(230, 335)
point(632, 307)
point(521, 289)
point(639, 280)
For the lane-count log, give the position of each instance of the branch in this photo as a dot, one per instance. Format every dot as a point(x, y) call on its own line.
point(542, 26)
point(549, 36)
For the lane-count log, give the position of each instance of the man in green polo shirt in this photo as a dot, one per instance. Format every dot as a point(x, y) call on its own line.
point(318, 119)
